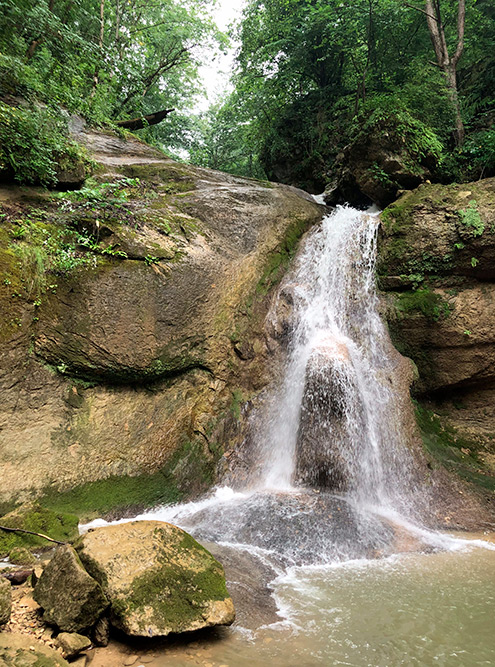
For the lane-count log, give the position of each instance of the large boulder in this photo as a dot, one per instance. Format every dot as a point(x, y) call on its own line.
point(24, 651)
point(158, 579)
point(323, 449)
point(5, 601)
point(70, 598)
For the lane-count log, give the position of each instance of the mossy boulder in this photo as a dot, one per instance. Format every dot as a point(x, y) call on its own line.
point(34, 517)
point(5, 601)
point(23, 651)
point(158, 579)
point(72, 643)
point(71, 599)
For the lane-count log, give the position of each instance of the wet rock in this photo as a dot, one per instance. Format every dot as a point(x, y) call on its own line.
point(5, 601)
point(71, 599)
point(24, 651)
point(72, 643)
point(16, 576)
point(158, 579)
point(322, 459)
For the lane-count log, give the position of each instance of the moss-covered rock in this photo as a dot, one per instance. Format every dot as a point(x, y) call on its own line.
point(70, 598)
point(5, 601)
point(32, 516)
point(23, 650)
point(158, 579)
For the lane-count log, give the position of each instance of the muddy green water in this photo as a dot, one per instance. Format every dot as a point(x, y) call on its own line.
point(436, 609)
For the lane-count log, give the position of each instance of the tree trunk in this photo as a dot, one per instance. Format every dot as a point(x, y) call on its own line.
point(446, 62)
point(100, 44)
point(144, 121)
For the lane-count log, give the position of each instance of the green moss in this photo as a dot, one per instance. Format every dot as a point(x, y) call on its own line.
point(176, 595)
point(456, 453)
point(39, 519)
point(21, 556)
point(190, 469)
point(430, 304)
point(278, 261)
point(237, 400)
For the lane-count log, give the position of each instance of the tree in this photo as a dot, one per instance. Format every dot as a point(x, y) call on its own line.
point(445, 61)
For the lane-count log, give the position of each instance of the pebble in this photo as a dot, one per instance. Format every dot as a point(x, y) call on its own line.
point(131, 660)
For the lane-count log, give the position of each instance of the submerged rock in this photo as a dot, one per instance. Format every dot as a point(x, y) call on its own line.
point(70, 598)
point(158, 579)
point(25, 651)
point(5, 601)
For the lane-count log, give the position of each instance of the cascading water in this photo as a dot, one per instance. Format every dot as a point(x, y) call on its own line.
point(330, 438)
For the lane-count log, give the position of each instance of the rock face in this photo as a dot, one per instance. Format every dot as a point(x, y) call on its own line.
point(375, 167)
point(70, 598)
point(437, 269)
point(158, 579)
point(5, 601)
point(124, 344)
point(24, 651)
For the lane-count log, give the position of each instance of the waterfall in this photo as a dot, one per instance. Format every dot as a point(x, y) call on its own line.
point(335, 477)
point(335, 422)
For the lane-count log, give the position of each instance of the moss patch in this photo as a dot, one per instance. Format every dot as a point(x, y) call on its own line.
point(40, 519)
point(454, 452)
point(430, 304)
point(189, 467)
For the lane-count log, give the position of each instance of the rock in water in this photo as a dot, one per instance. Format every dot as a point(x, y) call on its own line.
point(71, 599)
point(5, 601)
point(157, 577)
point(325, 429)
point(24, 651)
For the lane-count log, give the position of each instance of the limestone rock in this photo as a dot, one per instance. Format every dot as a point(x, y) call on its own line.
point(72, 643)
point(323, 429)
point(24, 651)
point(70, 598)
point(5, 601)
point(158, 579)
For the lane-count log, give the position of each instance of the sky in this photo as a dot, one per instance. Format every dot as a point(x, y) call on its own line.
point(216, 74)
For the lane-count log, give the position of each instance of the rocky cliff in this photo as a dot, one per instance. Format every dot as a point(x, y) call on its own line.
point(131, 325)
point(437, 270)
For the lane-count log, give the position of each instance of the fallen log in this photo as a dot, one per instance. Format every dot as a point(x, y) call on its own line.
point(144, 121)
point(30, 532)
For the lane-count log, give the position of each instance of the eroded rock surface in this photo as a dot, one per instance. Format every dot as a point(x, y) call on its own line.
point(128, 364)
point(158, 579)
point(23, 651)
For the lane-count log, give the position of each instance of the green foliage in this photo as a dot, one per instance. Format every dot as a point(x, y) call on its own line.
point(33, 140)
point(430, 304)
point(471, 219)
